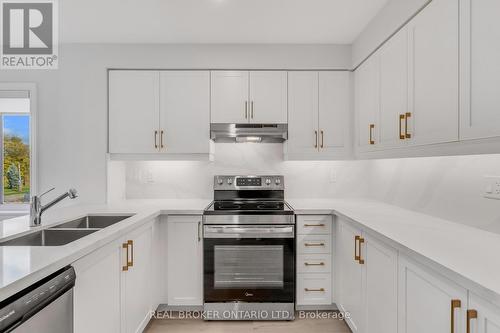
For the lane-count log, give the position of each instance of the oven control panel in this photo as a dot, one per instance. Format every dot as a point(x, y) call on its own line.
point(249, 183)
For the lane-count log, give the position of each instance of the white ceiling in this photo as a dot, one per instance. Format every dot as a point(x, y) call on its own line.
point(215, 21)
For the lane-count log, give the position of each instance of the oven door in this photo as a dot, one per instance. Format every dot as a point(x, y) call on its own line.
point(249, 263)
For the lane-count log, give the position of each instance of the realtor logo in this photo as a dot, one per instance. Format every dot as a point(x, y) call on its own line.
point(29, 34)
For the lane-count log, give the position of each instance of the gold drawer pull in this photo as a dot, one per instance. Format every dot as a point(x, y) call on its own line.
point(314, 244)
point(314, 264)
point(320, 289)
point(361, 241)
point(372, 126)
point(314, 225)
point(455, 303)
point(356, 256)
point(125, 267)
point(407, 115)
point(401, 134)
point(131, 243)
point(471, 314)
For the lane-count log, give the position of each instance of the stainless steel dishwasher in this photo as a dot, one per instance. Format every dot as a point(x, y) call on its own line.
point(44, 307)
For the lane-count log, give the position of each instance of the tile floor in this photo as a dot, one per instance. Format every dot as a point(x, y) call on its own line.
point(299, 325)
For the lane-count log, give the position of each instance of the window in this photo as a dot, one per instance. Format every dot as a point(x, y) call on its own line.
point(16, 157)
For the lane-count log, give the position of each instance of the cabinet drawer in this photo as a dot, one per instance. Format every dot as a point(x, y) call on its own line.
point(314, 224)
point(314, 289)
point(314, 263)
point(307, 244)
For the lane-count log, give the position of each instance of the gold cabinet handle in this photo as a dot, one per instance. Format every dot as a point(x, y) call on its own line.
point(161, 139)
point(251, 108)
point(401, 134)
point(361, 241)
point(156, 139)
point(372, 126)
point(316, 138)
point(314, 264)
point(125, 267)
point(322, 139)
point(320, 289)
point(246, 109)
point(407, 115)
point(131, 244)
point(455, 303)
point(314, 244)
point(314, 225)
point(356, 256)
point(471, 314)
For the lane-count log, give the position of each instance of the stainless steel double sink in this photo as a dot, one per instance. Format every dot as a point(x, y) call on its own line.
point(67, 232)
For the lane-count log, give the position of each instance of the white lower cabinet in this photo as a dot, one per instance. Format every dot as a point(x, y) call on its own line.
point(429, 302)
point(112, 289)
point(314, 260)
point(184, 261)
point(483, 317)
point(367, 281)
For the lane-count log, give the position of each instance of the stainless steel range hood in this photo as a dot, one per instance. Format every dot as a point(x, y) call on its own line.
point(259, 133)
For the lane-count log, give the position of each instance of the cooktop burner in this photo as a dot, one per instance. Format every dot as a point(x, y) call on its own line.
point(248, 207)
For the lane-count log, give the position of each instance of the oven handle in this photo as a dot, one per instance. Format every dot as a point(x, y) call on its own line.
point(261, 231)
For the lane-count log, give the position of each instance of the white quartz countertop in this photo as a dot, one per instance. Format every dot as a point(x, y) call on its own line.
point(20, 266)
point(470, 252)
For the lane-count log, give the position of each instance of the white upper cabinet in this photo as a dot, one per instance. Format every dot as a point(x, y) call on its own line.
point(229, 102)
point(433, 72)
point(249, 97)
point(133, 111)
point(302, 112)
point(184, 112)
point(483, 316)
point(394, 90)
point(367, 103)
point(268, 97)
point(334, 109)
point(480, 69)
point(318, 114)
point(159, 112)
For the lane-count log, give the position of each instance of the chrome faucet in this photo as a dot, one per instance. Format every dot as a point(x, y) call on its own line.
point(36, 207)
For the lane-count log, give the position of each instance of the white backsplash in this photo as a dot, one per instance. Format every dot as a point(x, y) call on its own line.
point(447, 187)
point(188, 179)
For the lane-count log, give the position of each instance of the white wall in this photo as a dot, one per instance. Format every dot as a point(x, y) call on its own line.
point(72, 101)
point(384, 24)
point(448, 187)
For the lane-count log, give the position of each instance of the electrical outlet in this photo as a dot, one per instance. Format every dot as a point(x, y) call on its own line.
point(492, 187)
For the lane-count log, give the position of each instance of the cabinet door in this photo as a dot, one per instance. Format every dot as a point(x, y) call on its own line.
point(136, 292)
point(394, 90)
point(303, 133)
point(350, 276)
point(184, 112)
point(184, 260)
point(229, 97)
point(480, 69)
point(434, 73)
point(97, 291)
point(425, 293)
point(133, 111)
point(367, 99)
point(488, 315)
point(380, 287)
point(268, 97)
point(334, 107)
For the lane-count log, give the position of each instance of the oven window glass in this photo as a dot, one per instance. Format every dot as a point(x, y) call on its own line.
point(248, 266)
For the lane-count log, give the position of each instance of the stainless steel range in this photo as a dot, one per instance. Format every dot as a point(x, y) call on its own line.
point(249, 250)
